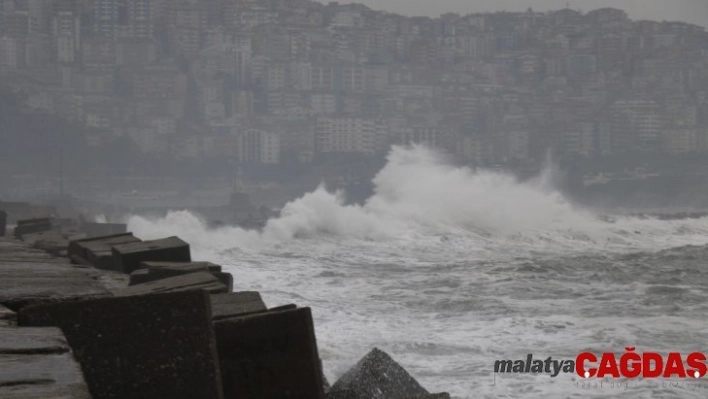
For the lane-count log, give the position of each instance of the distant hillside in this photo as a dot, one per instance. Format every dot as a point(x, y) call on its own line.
point(32, 142)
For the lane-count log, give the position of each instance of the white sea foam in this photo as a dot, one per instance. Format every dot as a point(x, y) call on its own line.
point(419, 193)
point(431, 269)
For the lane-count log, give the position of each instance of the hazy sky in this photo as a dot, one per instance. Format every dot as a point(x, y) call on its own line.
point(693, 11)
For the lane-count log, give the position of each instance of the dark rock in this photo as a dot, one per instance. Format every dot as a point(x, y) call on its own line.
point(226, 278)
point(17, 251)
point(127, 257)
point(52, 241)
point(103, 229)
point(192, 266)
point(236, 304)
point(41, 220)
point(26, 283)
point(153, 271)
point(186, 282)
point(3, 223)
point(269, 355)
point(351, 394)
point(141, 276)
point(342, 394)
point(152, 346)
point(97, 251)
point(37, 363)
point(53, 234)
point(377, 375)
point(29, 226)
point(283, 307)
point(79, 261)
point(325, 383)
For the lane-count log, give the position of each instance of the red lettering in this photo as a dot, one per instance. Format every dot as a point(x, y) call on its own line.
point(608, 365)
point(697, 362)
point(580, 364)
point(630, 364)
point(674, 366)
point(647, 370)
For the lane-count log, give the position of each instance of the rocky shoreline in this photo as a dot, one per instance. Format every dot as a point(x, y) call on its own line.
point(91, 311)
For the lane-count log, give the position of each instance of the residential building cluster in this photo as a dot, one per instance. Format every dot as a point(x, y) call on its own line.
point(260, 81)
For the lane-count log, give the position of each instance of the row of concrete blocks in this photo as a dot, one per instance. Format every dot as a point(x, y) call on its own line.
point(53, 234)
point(179, 332)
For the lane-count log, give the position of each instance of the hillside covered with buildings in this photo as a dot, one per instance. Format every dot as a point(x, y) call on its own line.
point(294, 81)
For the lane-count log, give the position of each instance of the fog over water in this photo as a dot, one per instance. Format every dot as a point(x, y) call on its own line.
point(448, 269)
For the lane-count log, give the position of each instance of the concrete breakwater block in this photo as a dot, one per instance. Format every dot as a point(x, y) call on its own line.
point(17, 251)
point(55, 245)
point(7, 317)
point(193, 281)
point(39, 220)
point(375, 376)
point(38, 363)
point(29, 226)
point(32, 238)
point(153, 271)
point(3, 223)
point(52, 241)
point(127, 257)
point(191, 266)
point(23, 210)
point(236, 304)
point(152, 346)
point(97, 251)
point(351, 394)
point(269, 355)
point(28, 283)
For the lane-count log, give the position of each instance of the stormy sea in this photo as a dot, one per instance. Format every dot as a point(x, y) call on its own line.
point(449, 269)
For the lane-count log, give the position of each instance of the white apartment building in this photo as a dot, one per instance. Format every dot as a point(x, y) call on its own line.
point(352, 135)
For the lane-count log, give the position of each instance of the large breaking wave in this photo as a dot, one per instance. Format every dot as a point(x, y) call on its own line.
point(447, 269)
point(419, 193)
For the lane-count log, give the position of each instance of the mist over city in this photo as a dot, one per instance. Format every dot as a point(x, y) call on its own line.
point(437, 186)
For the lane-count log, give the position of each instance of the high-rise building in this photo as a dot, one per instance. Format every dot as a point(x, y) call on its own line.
point(123, 18)
point(67, 35)
point(350, 135)
point(139, 19)
point(105, 18)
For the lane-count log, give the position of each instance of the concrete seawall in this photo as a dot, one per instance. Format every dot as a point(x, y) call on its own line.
point(86, 316)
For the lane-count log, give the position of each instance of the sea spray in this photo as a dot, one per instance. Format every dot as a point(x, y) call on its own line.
point(448, 269)
point(419, 194)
